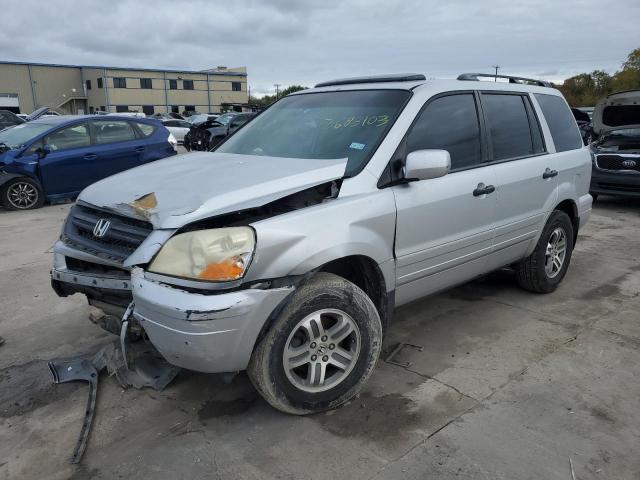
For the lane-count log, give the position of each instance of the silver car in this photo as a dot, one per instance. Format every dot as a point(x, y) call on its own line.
point(285, 251)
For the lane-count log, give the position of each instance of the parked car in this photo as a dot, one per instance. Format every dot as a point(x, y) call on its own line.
point(206, 135)
point(9, 119)
point(616, 150)
point(179, 128)
point(584, 124)
point(286, 250)
point(54, 158)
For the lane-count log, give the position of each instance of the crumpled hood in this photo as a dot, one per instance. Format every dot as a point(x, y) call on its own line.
point(616, 111)
point(181, 189)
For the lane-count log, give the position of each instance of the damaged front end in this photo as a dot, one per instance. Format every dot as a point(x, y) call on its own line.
point(616, 151)
point(181, 260)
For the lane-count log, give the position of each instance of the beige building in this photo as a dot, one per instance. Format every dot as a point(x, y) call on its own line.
point(25, 87)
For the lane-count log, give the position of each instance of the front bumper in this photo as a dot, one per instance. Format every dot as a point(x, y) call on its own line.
point(207, 333)
point(604, 182)
point(213, 332)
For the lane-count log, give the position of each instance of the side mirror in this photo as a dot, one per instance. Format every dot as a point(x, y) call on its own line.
point(43, 151)
point(426, 164)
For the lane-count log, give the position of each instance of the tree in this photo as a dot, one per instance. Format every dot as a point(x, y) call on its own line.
point(586, 89)
point(267, 100)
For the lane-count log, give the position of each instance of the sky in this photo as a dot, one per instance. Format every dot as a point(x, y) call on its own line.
point(304, 42)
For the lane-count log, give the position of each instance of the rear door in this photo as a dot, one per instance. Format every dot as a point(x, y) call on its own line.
point(67, 168)
point(118, 147)
point(444, 226)
point(526, 175)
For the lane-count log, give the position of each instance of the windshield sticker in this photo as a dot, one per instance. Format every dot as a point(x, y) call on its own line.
point(357, 146)
point(350, 122)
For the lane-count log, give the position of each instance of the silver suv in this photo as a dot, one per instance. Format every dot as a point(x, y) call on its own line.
point(286, 250)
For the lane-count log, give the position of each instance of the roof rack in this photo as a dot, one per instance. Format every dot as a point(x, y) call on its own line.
point(398, 77)
point(512, 79)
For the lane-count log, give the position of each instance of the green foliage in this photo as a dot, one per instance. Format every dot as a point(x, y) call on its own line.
point(269, 99)
point(585, 89)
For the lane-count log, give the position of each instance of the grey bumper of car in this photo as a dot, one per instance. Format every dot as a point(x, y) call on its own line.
point(605, 182)
point(206, 333)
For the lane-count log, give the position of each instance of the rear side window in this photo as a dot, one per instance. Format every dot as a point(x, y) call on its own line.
point(508, 125)
point(76, 136)
point(145, 128)
point(113, 131)
point(449, 123)
point(562, 124)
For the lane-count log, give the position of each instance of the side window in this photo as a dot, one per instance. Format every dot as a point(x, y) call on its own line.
point(449, 123)
point(113, 131)
point(562, 124)
point(76, 136)
point(536, 131)
point(171, 123)
point(145, 128)
point(184, 124)
point(508, 126)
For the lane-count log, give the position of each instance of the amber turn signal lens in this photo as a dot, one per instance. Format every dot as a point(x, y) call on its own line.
point(228, 270)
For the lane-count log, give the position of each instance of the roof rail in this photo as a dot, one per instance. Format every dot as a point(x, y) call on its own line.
point(398, 77)
point(511, 78)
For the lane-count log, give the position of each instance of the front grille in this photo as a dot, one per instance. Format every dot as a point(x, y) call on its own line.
point(615, 162)
point(619, 187)
point(123, 236)
point(83, 266)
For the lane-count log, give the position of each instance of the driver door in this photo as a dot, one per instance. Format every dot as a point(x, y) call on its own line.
point(444, 228)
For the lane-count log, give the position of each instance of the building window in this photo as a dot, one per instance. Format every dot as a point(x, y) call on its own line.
point(148, 109)
point(187, 84)
point(88, 83)
point(91, 109)
point(103, 108)
point(236, 86)
point(145, 83)
point(173, 84)
point(99, 82)
point(122, 108)
point(175, 108)
point(189, 108)
point(119, 82)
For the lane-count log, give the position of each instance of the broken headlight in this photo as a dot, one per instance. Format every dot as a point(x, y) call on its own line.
point(218, 255)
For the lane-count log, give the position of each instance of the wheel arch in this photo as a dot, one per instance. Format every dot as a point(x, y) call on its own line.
point(570, 207)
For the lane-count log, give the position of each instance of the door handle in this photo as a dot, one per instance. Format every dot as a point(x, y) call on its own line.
point(90, 156)
point(548, 173)
point(483, 189)
point(139, 149)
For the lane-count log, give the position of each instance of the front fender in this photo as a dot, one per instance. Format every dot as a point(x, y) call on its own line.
point(300, 241)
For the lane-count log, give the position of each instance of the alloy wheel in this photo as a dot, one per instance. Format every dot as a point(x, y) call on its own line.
point(22, 195)
point(556, 252)
point(321, 350)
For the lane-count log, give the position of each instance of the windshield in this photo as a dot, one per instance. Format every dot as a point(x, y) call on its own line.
point(328, 125)
point(17, 136)
point(225, 118)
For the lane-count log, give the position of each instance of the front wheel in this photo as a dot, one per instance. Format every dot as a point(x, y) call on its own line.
point(320, 350)
point(544, 269)
point(22, 194)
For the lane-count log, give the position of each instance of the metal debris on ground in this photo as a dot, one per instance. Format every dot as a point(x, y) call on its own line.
point(137, 365)
point(397, 350)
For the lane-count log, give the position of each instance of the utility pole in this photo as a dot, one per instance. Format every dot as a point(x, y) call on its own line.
point(495, 79)
point(277, 85)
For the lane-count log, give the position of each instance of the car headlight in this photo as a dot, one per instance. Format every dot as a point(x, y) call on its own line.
point(218, 255)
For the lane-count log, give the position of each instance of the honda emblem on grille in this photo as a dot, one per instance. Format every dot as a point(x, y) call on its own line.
point(629, 163)
point(100, 230)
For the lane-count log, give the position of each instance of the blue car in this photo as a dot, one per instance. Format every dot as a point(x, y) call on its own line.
point(54, 158)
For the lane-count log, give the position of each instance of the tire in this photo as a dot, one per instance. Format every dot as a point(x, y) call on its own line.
point(538, 273)
point(298, 391)
point(21, 193)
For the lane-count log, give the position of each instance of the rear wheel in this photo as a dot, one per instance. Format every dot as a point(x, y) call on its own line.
point(544, 269)
point(22, 194)
point(321, 348)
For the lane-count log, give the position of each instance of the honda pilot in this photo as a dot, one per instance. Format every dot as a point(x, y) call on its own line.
point(285, 251)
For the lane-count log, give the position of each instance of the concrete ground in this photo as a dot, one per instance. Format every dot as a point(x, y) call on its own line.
point(506, 384)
